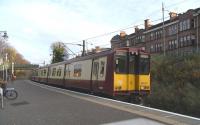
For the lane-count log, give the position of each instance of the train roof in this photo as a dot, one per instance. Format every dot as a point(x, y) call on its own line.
point(97, 54)
point(80, 58)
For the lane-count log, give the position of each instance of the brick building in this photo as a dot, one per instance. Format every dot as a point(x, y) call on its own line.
point(178, 35)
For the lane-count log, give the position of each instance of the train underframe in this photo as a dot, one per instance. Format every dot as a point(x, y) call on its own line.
point(136, 97)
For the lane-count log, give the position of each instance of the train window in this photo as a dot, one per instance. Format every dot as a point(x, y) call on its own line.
point(59, 72)
point(96, 68)
point(144, 64)
point(45, 72)
point(54, 72)
point(77, 70)
point(67, 71)
point(132, 62)
point(41, 72)
point(102, 68)
point(121, 62)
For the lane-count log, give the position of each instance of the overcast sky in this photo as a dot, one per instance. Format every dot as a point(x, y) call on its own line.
point(32, 25)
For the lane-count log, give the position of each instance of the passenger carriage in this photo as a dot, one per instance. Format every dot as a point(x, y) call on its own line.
point(118, 72)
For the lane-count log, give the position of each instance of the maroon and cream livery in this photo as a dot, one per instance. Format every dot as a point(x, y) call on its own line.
point(103, 72)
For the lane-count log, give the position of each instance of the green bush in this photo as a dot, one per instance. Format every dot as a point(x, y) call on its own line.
point(176, 84)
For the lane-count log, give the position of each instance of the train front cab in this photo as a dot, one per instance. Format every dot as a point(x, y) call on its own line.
point(132, 73)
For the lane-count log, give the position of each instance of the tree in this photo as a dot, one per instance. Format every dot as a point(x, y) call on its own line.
point(59, 52)
point(13, 55)
point(175, 84)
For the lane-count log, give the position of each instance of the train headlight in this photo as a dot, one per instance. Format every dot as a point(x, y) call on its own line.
point(118, 87)
point(144, 87)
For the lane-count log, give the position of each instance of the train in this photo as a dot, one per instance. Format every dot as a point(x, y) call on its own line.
point(116, 73)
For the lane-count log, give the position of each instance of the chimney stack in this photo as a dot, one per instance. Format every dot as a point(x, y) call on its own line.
point(136, 29)
point(97, 49)
point(147, 24)
point(122, 34)
point(172, 15)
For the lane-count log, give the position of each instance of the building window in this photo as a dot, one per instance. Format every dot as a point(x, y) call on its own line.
point(193, 39)
point(188, 23)
point(143, 38)
point(184, 25)
point(193, 23)
point(172, 29)
point(181, 26)
point(152, 48)
point(158, 34)
point(173, 44)
point(188, 40)
point(170, 45)
point(152, 36)
point(185, 41)
point(181, 42)
point(176, 44)
point(158, 47)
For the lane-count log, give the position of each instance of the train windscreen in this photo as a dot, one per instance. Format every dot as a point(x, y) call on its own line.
point(144, 64)
point(121, 62)
point(132, 63)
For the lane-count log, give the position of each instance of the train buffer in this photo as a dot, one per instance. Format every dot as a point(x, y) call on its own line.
point(41, 104)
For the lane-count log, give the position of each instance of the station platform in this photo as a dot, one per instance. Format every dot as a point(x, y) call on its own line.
point(41, 104)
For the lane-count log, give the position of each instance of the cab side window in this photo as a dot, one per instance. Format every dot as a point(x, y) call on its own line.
point(96, 68)
point(102, 68)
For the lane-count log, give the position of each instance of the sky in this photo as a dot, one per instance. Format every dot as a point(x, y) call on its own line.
point(33, 25)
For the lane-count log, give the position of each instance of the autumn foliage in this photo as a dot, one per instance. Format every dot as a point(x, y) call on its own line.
point(13, 55)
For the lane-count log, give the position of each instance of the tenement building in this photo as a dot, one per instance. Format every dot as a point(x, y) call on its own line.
point(179, 34)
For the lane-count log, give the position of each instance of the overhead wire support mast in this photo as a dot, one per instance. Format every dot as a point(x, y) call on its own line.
point(83, 45)
point(83, 53)
point(163, 28)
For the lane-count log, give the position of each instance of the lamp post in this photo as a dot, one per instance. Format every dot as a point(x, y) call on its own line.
point(5, 36)
point(163, 28)
point(6, 67)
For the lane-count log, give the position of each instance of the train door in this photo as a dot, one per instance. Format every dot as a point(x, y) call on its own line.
point(95, 74)
point(132, 61)
point(121, 78)
point(143, 73)
point(48, 73)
